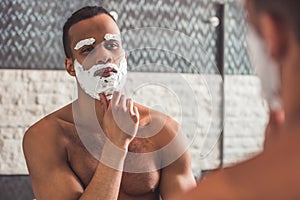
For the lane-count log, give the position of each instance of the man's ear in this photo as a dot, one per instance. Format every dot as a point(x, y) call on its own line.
point(275, 35)
point(69, 64)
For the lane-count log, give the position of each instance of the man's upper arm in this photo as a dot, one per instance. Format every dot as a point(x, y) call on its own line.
point(177, 177)
point(46, 160)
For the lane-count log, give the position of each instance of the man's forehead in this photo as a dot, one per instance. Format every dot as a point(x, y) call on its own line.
point(96, 27)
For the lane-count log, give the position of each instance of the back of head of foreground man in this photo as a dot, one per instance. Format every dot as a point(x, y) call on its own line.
point(274, 173)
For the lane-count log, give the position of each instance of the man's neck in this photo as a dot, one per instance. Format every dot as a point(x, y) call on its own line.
point(88, 112)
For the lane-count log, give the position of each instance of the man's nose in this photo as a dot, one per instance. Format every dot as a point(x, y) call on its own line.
point(103, 57)
point(103, 60)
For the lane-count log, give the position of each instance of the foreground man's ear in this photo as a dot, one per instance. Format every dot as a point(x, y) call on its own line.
point(275, 35)
point(70, 66)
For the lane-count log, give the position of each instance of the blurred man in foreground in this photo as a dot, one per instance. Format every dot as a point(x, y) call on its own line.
point(274, 173)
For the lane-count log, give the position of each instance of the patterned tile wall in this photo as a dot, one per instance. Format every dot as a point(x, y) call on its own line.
point(30, 34)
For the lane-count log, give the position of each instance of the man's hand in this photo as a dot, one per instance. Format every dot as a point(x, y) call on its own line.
point(121, 120)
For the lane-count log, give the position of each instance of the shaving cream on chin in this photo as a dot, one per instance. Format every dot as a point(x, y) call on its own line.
point(94, 85)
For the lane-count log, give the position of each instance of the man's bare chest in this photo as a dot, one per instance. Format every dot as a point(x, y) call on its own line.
point(83, 162)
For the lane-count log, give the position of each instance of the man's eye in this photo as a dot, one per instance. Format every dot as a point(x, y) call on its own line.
point(87, 49)
point(113, 45)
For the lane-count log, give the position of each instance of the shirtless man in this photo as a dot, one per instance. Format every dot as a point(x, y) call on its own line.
point(274, 173)
point(69, 157)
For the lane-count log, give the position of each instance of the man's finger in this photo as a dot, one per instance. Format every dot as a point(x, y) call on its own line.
point(122, 102)
point(116, 98)
point(130, 106)
point(136, 115)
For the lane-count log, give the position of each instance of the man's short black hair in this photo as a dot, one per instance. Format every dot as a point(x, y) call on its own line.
point(81, 14)
point(285, 10)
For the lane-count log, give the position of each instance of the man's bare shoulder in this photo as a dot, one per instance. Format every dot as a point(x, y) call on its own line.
point(164, 127)
point(50, 128)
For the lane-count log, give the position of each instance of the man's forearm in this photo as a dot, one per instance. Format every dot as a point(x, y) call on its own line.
point(106, 180)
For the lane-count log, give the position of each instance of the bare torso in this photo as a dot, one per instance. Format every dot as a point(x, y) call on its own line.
point(83, 163)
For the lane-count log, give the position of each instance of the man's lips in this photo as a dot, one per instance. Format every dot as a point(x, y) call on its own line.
point(105, 72)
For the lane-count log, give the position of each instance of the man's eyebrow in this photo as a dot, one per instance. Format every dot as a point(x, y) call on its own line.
point(110, 36)
point(85, 42)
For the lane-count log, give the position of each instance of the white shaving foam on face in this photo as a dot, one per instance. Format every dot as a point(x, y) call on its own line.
point(85, 42)
point(116, 37)
point(94, 85)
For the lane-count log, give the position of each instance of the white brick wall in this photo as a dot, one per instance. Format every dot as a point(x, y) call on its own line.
point(25, 97)
point(245, 118)
point(28, 95)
